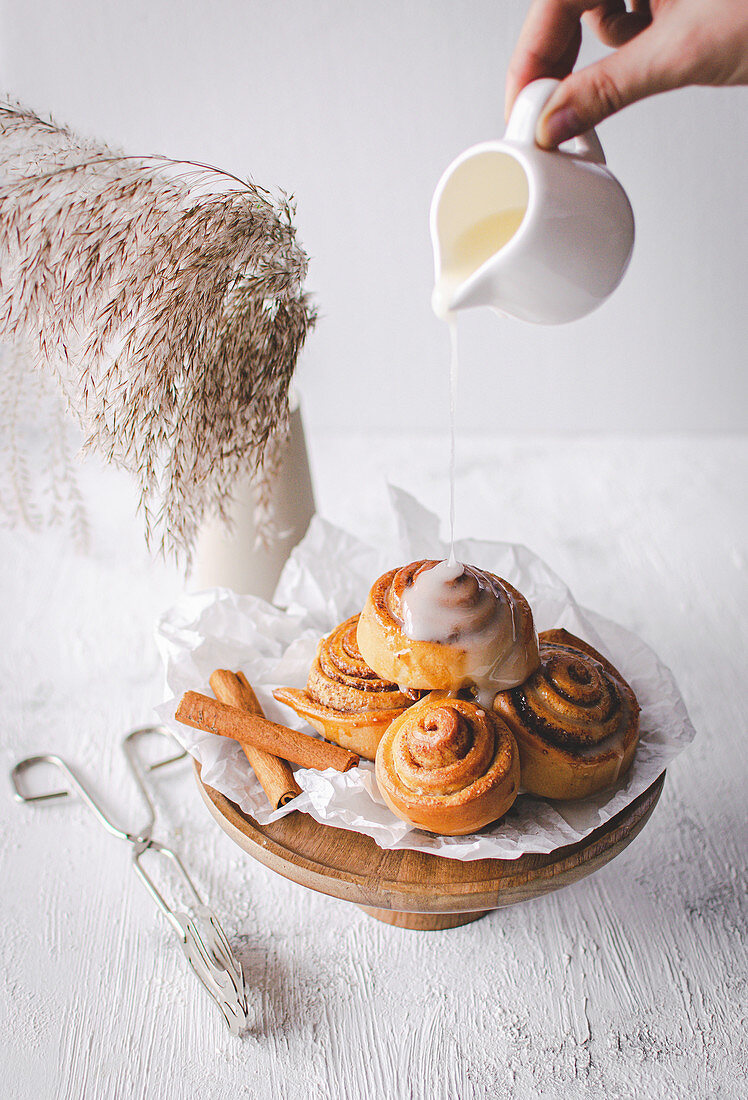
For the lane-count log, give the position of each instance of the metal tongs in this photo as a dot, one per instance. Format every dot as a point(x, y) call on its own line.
point(197, 928)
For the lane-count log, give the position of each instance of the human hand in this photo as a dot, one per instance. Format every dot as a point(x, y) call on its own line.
point(659, 45)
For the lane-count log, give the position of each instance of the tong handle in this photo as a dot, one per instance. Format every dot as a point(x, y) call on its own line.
point(140, 770)
point(23, 766)
point(74, 783)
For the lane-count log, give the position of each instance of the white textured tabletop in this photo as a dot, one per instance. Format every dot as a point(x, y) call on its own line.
point(631, 983)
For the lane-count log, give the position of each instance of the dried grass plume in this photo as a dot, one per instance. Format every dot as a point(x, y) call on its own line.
point(167, 300)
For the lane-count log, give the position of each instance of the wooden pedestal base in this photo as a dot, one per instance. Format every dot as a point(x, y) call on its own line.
point(422, 922)
point(406, 886)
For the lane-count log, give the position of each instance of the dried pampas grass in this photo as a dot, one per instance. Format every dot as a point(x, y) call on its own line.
point(38, 478)
point(167, 300)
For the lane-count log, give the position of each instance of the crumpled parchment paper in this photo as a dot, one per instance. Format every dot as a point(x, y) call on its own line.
point(326, 580)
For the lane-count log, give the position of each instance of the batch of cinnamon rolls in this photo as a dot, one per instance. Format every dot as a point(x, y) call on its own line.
point(444, 682)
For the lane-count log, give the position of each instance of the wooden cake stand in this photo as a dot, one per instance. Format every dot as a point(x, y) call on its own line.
point(413, 889)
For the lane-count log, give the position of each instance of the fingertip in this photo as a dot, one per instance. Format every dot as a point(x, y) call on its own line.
point(556, 126)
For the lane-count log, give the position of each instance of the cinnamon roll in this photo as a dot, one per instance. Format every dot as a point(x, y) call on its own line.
point(448, 765)
point(345, 700)
point(443, 625)
point(576, 720)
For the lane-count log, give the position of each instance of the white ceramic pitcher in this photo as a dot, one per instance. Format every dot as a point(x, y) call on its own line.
point(575, 230)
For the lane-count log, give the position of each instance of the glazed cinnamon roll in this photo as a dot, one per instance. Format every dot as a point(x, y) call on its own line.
point(448, 765)
point(345, 700)
point(443, 625)
point(576, 720)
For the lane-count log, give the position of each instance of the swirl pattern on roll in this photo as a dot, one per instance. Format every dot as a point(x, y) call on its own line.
point(341, 678)
point(443, 625)
point(575, 719)
point(345, 700)
point(448, 766)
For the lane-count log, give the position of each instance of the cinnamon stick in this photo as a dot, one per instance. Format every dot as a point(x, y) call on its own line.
point(204, 713)
point(275, 775)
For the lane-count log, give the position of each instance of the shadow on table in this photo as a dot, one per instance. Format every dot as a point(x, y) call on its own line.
point(272, 987)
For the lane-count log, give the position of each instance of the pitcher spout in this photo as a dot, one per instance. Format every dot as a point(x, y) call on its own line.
point(478, 209)
point(479, 289)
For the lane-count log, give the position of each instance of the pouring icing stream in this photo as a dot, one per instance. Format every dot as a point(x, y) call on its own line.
point(484, 625)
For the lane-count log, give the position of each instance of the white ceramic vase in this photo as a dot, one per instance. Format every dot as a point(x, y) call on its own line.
point(230, 558)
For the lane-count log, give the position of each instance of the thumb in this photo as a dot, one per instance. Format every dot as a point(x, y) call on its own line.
point(592, 94)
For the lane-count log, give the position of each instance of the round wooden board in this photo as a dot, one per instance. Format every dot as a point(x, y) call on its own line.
point(413, 889)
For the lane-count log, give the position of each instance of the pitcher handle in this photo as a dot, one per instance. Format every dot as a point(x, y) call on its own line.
point(528, 108)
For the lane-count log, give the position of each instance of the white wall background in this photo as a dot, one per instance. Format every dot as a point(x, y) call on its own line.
point(356, 107)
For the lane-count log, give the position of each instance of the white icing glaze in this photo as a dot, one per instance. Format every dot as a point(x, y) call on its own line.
point(476, 616)
point(426, 618)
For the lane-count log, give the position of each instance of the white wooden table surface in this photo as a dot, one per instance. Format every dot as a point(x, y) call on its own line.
point(631, 983)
